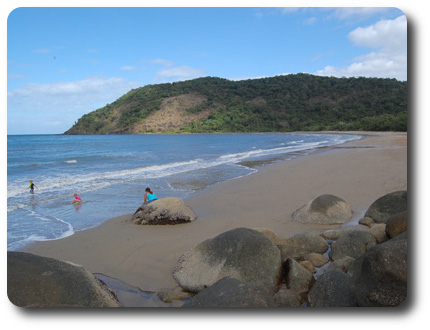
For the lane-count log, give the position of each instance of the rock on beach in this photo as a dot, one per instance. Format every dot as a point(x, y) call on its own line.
point(241, 253)
point(388, 205)
point(230, 292)
point(325, 209)
point(35, 281)
point(379, 276)
point(164, 211)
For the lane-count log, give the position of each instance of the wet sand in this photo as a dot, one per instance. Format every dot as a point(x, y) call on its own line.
point(144, 256)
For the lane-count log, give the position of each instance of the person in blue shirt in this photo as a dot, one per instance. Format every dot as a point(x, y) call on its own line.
point(149, 196)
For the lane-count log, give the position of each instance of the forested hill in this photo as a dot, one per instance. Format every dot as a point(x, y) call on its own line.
point(287, 103)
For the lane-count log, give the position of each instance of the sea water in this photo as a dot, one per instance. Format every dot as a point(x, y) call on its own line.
point(110, 173)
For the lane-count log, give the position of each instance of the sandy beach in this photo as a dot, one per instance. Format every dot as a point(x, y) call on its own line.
point(144, 256)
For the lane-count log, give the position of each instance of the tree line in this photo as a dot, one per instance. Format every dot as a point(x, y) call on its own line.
point(299, 102)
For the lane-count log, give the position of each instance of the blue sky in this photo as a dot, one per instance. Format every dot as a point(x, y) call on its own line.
point(65, 62)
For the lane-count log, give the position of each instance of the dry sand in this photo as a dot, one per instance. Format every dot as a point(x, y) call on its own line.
point(144, 256)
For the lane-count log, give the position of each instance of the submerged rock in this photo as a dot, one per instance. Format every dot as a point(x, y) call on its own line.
point(325, 209)
point(34, 281)
point(242, 253)
point(164, 211)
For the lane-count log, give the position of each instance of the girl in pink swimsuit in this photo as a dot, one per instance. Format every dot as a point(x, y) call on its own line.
point(77, 199)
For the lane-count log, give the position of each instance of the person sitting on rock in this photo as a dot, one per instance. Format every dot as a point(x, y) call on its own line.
point(149, 196)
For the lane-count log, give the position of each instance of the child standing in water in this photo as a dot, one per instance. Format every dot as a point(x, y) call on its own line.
point(31, 186)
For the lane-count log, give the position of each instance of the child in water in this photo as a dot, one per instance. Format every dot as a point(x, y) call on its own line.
point(149, 195)
point(31, 186)
point(77, 199)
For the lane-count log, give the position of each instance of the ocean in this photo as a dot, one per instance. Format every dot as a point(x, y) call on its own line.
point(110, 173)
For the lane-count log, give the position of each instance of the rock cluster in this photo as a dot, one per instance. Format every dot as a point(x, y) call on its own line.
point(247, 267)
point(338, 268)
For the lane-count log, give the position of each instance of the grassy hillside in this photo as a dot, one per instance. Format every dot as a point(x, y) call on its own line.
point(278, 104)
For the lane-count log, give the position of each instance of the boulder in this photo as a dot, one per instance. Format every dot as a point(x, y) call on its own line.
point(378, 230)
point(299, 279)
point(172, 295)
point(316, 259)
point(242, 253)
point(352, 243)
point(325, 209)
point(397, 224)
point(164, 211)
point(379, 276)
point(332, 289)
point(230, 292)
point(271, 235)
point(286, 298)
point(300, 245)
point(308, 265)
point(35, 281)
point(341, 264)
point(387, 206)
point(332, 234)
point(366, 221)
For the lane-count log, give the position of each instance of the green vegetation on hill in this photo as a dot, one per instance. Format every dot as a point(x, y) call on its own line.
point(299, 102)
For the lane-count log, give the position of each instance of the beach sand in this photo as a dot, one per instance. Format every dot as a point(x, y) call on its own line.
point(359, 172)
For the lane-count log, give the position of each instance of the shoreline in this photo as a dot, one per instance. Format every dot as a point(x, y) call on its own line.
point(358, 171)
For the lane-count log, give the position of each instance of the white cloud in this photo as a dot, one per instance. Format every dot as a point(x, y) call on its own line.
point(62, 102)
point(128, 68)
point(389, 60)
point(179, 73)
point(388, 34)
point(347, 13)
point(160, 61)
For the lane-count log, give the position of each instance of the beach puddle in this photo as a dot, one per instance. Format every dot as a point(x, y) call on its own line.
point(130, 296)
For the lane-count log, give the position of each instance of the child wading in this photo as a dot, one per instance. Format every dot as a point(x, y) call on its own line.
point(31, 186)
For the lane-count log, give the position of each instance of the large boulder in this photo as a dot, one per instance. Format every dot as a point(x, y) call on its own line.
point(230, 292)
point(332, 289)
point(325, 209)
point(34, 281)
point(387, 206)
point(397, 224)
point(164, 211)
point(300, 245)
point(379, 276)
point(352, 243)
point(242, 253)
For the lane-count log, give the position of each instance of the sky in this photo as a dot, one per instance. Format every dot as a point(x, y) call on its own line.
point(65, 62)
